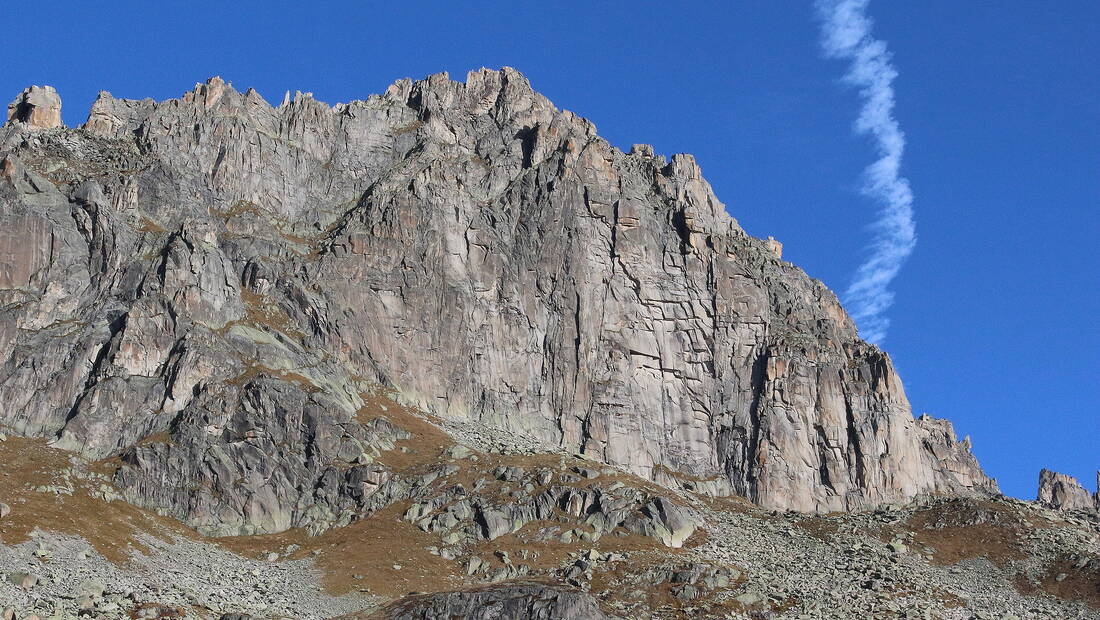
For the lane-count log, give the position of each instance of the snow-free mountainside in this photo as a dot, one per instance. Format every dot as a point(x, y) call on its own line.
point(445, 352)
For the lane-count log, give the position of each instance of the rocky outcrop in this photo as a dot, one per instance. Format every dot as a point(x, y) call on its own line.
point(495, 508)
point(203, 287)
point(519, 600)
point(36, 107)
point(1065, 492)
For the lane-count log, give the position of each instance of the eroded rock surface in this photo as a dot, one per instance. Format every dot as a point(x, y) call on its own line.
point(1065, 492)
point(533, 601)
point(36, 107)
point(203, 288)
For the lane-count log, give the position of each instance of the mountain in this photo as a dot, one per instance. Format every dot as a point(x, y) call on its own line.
point(451, 302)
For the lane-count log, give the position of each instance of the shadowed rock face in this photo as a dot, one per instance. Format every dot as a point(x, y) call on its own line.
point(228, 277)
point(529, 601)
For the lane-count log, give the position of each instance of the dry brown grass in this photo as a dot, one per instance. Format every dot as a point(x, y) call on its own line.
point(410, 128)
point(368, 548)
point(735, 504)
point(821, 528)
point(239, 208)
point(359, 556)
point(259, 311)
point(1077, 584)
point(610, 580)
point(254, 369)
point(422, 449)
point(147, 225)
point(371, 546)
point(110, 527)
point(964, 530)
point(161, 437)
point(546, 555)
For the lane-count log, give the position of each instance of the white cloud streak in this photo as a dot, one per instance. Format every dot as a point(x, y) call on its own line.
point(846, 34)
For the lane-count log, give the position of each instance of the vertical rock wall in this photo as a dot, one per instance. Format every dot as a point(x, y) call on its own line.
point(212, 264)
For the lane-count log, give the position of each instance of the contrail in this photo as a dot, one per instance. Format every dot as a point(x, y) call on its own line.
point(846, 33)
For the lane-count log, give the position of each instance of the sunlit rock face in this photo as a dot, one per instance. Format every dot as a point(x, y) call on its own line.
point(230, 276)
point(1065, 492)
point(36, 107)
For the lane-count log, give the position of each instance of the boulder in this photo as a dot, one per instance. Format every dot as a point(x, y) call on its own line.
point(23, 579)
point(668, 522)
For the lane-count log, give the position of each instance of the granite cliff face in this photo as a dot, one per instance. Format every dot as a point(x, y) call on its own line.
point(1065, 492)
point(36, 106)
point(205, 290)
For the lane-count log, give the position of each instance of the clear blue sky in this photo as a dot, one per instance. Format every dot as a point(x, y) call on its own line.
point(995, 324)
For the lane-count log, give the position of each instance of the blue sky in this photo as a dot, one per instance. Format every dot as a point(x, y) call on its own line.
point(995, 320)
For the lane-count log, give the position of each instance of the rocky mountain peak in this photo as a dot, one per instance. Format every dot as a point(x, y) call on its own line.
point(36, 107)
point(236, 275)
point(1065, 492)
point(448, 336)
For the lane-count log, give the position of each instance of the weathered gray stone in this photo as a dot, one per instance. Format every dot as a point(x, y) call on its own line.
point(36, 107)
point(749, 598)
point(686, 592)
point(1065, 492)
point(662, 519)
point(530, 601)
point(458, 452)
point(203, 286)
point(92, 588)
point(85, 603)
point(23, 579)
point(42, 551)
